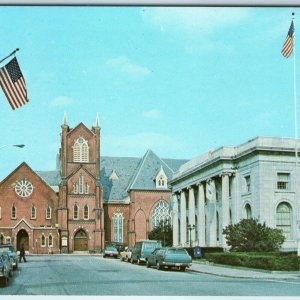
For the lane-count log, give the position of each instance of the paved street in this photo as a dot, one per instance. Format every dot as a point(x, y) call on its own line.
point(95, 275)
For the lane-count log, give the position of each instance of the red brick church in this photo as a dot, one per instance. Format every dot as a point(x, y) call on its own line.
point(87, 200)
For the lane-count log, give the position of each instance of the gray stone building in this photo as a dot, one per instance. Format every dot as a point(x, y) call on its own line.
point(258, 179)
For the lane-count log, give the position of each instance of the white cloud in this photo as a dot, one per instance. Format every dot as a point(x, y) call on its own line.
point(61, 101)
point(124, 66)
point(194, 19)
point(152, 114)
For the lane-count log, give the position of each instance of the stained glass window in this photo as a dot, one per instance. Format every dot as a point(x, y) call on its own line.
point(160, 213)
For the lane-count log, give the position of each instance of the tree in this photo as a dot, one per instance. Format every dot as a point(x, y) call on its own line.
point(250, 236)
point(163, 232)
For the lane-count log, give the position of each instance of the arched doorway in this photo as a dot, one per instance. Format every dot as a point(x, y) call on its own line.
point(22, 238)
point(80, 241)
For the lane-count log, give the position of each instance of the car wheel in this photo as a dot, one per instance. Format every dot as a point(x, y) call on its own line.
point(148, 264)
point(182, 269)
point(158, 266)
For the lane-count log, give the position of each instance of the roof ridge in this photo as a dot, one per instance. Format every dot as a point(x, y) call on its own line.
point(134, 178)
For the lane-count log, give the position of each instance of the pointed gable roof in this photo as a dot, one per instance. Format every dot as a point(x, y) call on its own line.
point(24, 165)
point(81, 125)
point(149, 167)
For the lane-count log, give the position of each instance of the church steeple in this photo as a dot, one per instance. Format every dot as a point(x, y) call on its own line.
point(65, 122)
point(97, 121)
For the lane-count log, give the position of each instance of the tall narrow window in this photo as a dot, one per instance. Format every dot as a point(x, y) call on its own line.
point(248, 183)
point(284, 219)
point(81, 150)
point(50, 241)
point(86, 212)
point(248, 211)
point(75, 188)
point(13, 212)
point(283, 181)
point(87, 187)
point(75, 212)
point(33, 212)
point(118, 227)
point(48, 213)
point(43, 241)
point(217, 227)
point(80, 184)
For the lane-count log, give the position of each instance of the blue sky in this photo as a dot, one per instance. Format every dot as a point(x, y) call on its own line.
point(180, 81)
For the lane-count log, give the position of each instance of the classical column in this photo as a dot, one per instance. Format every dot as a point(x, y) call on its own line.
point(175, 220)
point(201, 215)
point(192, 214)
point(225, 204)
point(212, 220)
point(182, 219)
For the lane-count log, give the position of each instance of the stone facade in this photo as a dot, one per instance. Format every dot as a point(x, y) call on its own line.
point(258, 179)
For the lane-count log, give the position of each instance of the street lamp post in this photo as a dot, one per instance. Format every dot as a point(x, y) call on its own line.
point(190, 228)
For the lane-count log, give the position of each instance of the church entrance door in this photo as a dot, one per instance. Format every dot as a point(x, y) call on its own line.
point(80, 241)
point(22, 238)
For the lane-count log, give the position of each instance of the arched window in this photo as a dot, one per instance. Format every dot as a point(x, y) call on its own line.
point(75, 212)
point(160, 213)
point(284, 219)
point(81, 150)
point(248, 211)
point(33, 212)
point(48, 213)
point(43, 241)
point(50, 241)
point(118, 227)
point(14, 212)
point(86, 212)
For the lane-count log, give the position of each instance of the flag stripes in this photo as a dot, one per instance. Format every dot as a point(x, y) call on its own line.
point(13, 84)
point(288, 45)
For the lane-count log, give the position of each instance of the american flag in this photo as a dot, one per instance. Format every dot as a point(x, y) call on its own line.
point(288, 45)
point(13, 84)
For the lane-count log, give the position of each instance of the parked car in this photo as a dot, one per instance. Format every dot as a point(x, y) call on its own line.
point(4, 271)
point(142, 250)
point(11, 252)
point(9, 262)
point(111, 251)
point(169, 257)
point(126, 254)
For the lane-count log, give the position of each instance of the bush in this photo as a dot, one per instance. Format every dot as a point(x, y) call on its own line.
point(204, 250)
point(250, 236)
point(268, 261)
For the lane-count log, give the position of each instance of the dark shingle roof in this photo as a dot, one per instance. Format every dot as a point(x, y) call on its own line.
point(131, 172)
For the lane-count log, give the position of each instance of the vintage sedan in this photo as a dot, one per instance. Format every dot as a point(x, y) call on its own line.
point(5, 270)
point(169, 258)
point(110, 251)
point(11, 252)
point(126, 254)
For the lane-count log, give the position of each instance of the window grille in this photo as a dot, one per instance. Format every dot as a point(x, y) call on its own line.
point(283, 181)
point(80, 184)
point(118, 227)
point(160, 213)
point(284, 219)
point(81, 150)
point(48, 213)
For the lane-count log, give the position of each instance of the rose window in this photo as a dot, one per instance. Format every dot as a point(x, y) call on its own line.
point(24, 188)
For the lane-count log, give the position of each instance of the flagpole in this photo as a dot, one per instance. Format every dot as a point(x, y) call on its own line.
point(9, 55)
point(296, 148)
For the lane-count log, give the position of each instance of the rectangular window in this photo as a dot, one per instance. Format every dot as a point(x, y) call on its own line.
point(13, 212)
point(248, 183)
point(33, 212)
point(80, 184)
point(283, 181)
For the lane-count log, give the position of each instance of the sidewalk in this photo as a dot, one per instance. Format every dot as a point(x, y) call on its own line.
point(239, 272)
